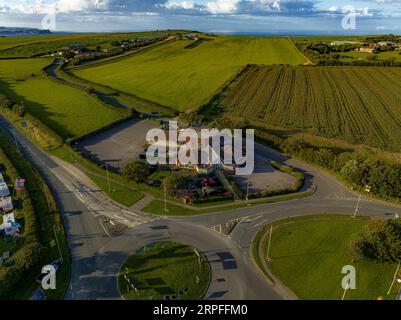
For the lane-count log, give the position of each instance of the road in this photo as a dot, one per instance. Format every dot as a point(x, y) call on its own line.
point(97, 256)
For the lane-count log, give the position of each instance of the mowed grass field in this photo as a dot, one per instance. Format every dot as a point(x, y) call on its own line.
point(357, 104)
point(67, 111)
point(185, 78)
point(308, 255)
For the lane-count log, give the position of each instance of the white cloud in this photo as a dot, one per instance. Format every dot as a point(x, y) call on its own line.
point(187, 5)
point(222, 6)
point(82, 5)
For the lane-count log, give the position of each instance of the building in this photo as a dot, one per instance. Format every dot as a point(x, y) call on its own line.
point(4, 192)
point(6, 205)
point(9, 226)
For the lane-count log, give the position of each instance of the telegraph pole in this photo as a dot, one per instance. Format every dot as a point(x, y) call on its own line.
point(108, 176)
point(165, 196)
point(247, 192)
point(69, 145)
point(357, 205)
point(268, 245)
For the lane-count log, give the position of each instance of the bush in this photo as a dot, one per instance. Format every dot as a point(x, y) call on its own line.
point(19, 266)
point(173, 183)
point(380, 242)
point(137, 171)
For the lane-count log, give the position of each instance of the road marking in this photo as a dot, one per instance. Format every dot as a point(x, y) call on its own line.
point(120, 218)
point(108, 234)
point(261, 223)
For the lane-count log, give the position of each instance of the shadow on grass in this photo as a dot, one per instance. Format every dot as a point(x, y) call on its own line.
point(40, 111)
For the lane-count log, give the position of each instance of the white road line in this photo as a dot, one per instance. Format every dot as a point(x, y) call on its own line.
point(120, 218)
point(104, 229)
point(261, 223)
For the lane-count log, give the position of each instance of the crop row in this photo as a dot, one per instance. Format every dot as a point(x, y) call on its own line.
point(360, 105)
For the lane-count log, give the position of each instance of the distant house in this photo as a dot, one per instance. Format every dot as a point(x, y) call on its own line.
point(9, 226)
point(341, 42)
point(191, 36)
point(365, 49)
point(144, 39)
point(4, 191)
point(6, 204)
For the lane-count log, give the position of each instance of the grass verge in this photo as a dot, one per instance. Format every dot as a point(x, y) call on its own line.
point(308, 254)
point(118, 193)
point(164, 270)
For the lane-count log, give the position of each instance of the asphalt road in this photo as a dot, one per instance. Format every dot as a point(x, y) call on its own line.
point(97, 257)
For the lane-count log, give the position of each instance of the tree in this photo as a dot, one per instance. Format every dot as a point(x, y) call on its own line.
point(173, 182)
point(68, 55)
point(137, 171)
point(350, 171)
point(379, 242)
point(19, 110)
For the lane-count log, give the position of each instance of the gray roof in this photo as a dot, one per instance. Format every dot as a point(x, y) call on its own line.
point(4, 192)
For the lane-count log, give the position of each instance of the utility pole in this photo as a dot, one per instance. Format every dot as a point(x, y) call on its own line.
point(394, 278)
point(268, 245)
point(200, 265)
point(108, 176)
point(345, 290)
point(335, 165)
point(357, 205)
point(58, 244)
point(165, 196)
point(247, 192)
point(47, 198)
point(69, 145)
point(16, 142)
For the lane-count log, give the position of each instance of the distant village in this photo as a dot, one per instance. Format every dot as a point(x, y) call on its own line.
point(371, 47)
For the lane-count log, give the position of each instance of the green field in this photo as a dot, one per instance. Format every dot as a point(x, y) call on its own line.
point(183, 78)
point(358, 104)
point(67, 111)
point(25, 47)
point(308, 255)
point(380, 56)
point(164, 269)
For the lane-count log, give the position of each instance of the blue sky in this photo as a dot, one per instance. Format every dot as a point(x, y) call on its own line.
point(264, 16)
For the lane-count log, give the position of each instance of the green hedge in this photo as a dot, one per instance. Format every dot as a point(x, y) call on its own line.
point(41, 219)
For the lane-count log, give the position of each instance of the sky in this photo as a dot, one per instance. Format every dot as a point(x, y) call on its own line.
point(225, 16)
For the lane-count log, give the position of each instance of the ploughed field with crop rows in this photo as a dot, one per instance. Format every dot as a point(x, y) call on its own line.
point(358, 104)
